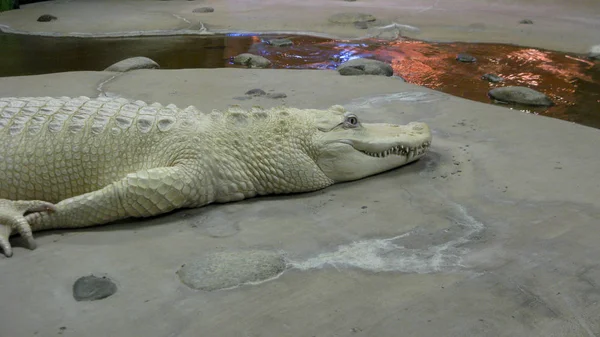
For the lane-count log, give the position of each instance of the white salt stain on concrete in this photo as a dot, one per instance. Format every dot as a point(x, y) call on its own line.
point(374, 101)
point(389, 255)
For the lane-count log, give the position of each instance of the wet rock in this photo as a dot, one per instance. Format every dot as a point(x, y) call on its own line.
point(231, 269)
point(526, 22)
point(520, 95)
point(492, 78)
point(365, 67)
point(256, 92)
point(92, 288)
point(133, 63)
point(351, 18)
point(280, 42)
point(47, 18)
point(465, 58)
point(251, 60)
point(203, 10)
point(594, 52)
point(276, 95)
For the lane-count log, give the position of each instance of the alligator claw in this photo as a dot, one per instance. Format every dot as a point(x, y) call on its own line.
point(12, 217)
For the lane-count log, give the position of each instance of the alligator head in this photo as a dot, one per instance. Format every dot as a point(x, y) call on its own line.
point(349, 149)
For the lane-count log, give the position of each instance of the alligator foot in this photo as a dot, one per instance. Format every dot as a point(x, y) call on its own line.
point(12, 217)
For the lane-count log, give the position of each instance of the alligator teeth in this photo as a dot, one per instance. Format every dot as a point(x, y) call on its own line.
point(401, 150)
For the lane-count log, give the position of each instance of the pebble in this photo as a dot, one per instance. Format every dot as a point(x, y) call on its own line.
point(277, 95)
point(363, 66)
point(203, 10)
point(251, 60)
point(350, 18)
point(280, 42)
point(492, 78)
point(465, 58)
point(256, 92)
point(92, 288)
point(520, 95)
point(132, 63)
point(47, 18)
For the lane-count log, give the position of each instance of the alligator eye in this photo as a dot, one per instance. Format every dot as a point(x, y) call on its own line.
point(351, 121)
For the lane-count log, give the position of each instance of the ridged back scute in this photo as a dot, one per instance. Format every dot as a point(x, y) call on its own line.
point(74, 115)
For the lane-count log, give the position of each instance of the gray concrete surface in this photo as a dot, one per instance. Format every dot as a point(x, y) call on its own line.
point(494, 233)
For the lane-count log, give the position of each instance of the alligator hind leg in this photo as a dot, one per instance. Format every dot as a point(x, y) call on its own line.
point(12, 218)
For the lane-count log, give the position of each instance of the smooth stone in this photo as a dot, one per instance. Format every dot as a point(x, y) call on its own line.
point(256, 92)
point(92, 288)
point(203, 10)
point(133, 63)
point(350, 18)
point(465, 58)
point(277, 95)
point(364, 66)
point(251, 60)
point(47, 18)
point(594, 52)
point(280, 42)
point(492, 78)
point(231, 269)
point(520, 95)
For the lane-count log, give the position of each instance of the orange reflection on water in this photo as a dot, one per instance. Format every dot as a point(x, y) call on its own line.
point(568, 79)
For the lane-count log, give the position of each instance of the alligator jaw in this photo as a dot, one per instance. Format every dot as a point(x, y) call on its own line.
point(400, 150)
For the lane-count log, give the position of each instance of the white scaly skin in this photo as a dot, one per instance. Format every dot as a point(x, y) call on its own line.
point(78, 162)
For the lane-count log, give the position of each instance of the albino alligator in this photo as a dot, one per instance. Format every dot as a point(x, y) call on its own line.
point(77, 162)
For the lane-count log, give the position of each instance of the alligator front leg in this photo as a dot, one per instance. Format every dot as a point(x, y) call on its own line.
point(12, 218)
point(141, 194)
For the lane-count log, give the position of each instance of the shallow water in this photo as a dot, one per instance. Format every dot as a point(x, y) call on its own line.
point(572, 81)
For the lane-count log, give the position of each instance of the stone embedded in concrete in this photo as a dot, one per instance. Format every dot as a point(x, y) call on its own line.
point(251, 60)
point(93, 288)
point(231, 269)
point(361, 25)
point(276, 95)
point(351, 17)
point(520, 95)
point(133, 63)
point(47, 18)
point(365, 67)
point(256, 92)
point(203, 10)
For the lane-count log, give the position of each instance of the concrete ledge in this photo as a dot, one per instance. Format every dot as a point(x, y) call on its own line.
point(564, 26)
point(495, 228)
